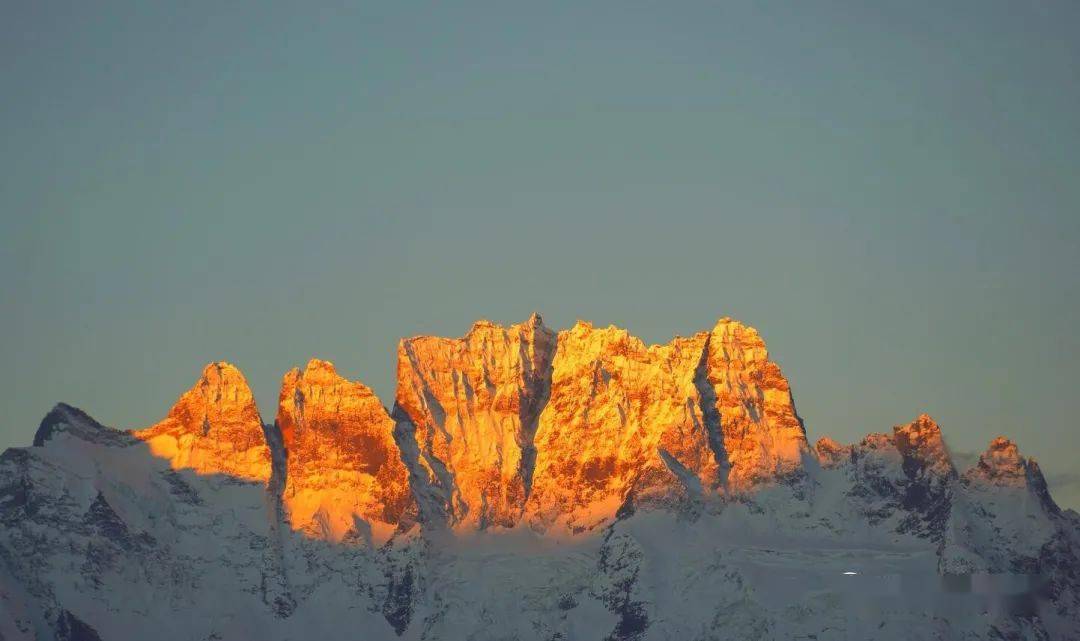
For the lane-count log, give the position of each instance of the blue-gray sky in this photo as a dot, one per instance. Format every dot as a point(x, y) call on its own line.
point(889, 193)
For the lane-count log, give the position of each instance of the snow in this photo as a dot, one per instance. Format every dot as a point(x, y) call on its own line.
point(181, 556)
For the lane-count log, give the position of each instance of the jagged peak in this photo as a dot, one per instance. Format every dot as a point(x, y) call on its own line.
point(343, 465)
point(581, 325)
point(738, 341)
point(482, 324)
point(213, 428)
point(831, 453)
point(1000, 464)
point(317, 380)
point(876, 441)
point(319, 372)
point(921, 435)
point(922, 446)
point(320, 365)
point(223, 372)
point(479, 327)
point(68, 418)
point(615, 334)
point(732, 327)
point(587, 331)
point(220, 394)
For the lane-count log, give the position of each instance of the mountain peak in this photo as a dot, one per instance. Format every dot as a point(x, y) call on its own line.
point(730, 327)
point(222, 373)
point(1001, 464)
point(920, 441)
point(67, 418)
point(472, 404)
point(830, 453)
point(345, 475)
point(605, 487)
point(318, 368)
point(214, 428)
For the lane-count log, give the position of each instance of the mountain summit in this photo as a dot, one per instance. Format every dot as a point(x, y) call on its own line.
point(526, 484)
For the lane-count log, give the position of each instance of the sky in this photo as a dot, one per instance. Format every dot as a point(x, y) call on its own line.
point(889, 193)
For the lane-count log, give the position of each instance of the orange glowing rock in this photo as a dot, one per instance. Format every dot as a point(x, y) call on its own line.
point(615, 405)
point(630, 423)
point(1002, 465)
point(473, 403)
point(921, 441)
point(831, 454)
point(763, 435)
point(214, 428)
point(345, 477)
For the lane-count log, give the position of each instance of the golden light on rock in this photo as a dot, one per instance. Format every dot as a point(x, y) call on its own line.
point(214, 428)
point(520, 426)
point(345, 476)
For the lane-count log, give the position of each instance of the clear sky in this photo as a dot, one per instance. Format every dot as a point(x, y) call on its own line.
point(889, 193)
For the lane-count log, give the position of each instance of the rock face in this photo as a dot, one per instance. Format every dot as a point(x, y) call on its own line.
point(1005, 519)
point(902, 481)
point(626, 423)
point(763, 436)
point(1001, 465)
point(831, 454)
point(530, 486)
point(472, 405)
point(214, 428)
point(345, 476)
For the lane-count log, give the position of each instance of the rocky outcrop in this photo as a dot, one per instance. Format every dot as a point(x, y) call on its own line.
point(763, 436)
point(214, 428)
point(623, 421)
point(902, 481)
point(831, 454)
point(1004, 519)
point(1002, 465)
point(471, 405)
point(345, 477)
point(930, 476)
point(627, 424)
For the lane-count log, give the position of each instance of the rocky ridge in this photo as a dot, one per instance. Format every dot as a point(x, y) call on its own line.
point(521, 471)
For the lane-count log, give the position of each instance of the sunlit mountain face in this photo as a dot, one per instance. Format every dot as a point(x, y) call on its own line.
point(527, 484)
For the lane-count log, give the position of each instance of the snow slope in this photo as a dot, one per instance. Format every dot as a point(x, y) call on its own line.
point(108, 534)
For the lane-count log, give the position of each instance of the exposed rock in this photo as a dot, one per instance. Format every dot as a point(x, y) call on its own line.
point(929, 473)
point(903, 481)
point(614, 406)
point(922, 447)
point(763, 436)
point(1004, 519)
point(1001, 465)
point(345, 476)
point(831, 454)
point(473, 404)
point(668, 499)
point(214, 428)
point(65, 419)
point(626, 422)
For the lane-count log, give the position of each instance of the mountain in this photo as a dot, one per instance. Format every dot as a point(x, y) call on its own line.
point(526, 484)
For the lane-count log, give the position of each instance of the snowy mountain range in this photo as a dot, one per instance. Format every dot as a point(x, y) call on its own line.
point(527, 485)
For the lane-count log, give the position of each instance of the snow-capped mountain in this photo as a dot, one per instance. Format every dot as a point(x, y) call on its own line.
point(527, 484)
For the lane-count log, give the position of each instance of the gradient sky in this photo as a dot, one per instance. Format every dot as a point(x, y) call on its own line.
point(890, 194)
